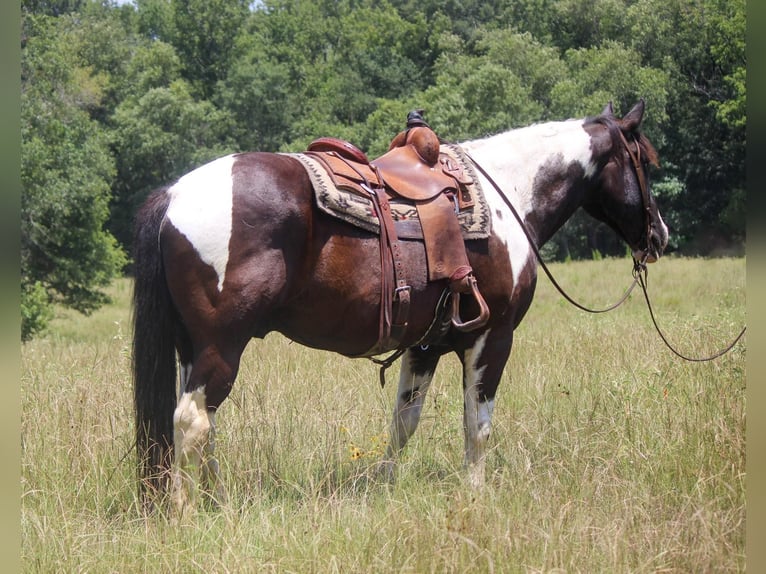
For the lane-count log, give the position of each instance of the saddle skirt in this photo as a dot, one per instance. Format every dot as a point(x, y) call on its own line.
point(338, 195)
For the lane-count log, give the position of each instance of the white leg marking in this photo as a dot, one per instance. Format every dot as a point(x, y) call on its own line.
point(477, 416)
point(409, 405)
point(201, 209)
point(191, 424)
point(407, 412)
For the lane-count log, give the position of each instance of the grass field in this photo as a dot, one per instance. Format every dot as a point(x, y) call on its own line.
point(608, 453)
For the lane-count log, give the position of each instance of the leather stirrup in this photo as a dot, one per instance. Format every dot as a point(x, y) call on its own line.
point(480, 320)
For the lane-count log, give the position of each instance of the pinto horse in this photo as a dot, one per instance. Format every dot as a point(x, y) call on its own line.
point(238, 248)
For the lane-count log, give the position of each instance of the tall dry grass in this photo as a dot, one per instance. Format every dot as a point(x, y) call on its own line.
point(608, 453)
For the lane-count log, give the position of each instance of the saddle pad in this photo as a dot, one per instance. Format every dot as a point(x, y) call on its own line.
point(349, 206)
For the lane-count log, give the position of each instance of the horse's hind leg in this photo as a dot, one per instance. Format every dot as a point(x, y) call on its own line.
point(415, 376)
point(211, 472)
point(191, 425)
point(208, 383)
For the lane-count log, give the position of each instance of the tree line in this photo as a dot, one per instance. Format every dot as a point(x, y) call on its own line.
point(118, 99)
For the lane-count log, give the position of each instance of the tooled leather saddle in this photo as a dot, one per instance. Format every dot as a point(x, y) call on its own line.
point(413, 170)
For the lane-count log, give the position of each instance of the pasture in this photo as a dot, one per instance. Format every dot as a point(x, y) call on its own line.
point(608, 453)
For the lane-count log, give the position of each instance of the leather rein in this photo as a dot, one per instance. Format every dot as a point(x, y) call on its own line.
point(637, 265)
point(640, 272)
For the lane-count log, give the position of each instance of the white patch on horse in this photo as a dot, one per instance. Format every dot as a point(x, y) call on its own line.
point(201, 209)
point(191, 430)
point(513, 159)
point(477, 415)
point(409, 403)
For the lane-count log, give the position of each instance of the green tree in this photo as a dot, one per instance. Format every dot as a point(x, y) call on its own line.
point(66, 171)
point(502, 81)
point(100, 44)
point(304, 69)
point(172, 83)
point(204, 33)
point(611, 72)
point(701, 47)
point(51, 7)
point(575, 26)
point(154, 19)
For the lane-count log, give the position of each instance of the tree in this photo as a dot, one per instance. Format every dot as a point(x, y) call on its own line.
point(51, 7)
point(611, 72)
point(66, 171)
point(701, 47)
point(204, 33)
point(171, 83)
point(573, 26)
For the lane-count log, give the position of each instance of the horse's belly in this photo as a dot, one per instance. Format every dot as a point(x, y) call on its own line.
point(338, 306)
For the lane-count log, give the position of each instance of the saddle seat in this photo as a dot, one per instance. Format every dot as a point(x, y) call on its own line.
point(412, 168)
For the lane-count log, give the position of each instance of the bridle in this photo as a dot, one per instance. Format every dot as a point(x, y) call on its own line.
point(640, 271)
point(638, 169)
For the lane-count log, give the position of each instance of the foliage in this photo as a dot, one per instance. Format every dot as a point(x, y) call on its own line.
point(36, 310)
point(120, 99)
point(203, 33)
point(66, 173)
point(52, 7)
point(701, 45)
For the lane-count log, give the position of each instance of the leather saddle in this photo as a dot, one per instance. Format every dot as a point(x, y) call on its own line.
point(413, 169)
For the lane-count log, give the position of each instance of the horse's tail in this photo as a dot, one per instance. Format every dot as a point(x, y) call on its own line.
point(154, 354)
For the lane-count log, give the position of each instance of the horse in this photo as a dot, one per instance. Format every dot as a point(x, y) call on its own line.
point(237, 248)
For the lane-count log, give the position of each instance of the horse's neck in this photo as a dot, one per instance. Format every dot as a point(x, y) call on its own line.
point(532, 168)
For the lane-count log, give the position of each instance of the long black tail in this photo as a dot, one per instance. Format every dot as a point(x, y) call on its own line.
point(154, 355)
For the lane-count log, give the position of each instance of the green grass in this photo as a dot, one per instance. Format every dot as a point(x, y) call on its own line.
point(608, 453)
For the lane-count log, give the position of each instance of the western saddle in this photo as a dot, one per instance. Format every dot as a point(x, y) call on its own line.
point(415, 170)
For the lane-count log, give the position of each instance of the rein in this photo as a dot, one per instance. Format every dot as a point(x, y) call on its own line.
point(539, 256)
point(640, 272)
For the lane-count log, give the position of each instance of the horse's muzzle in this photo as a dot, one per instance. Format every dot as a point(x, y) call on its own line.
point(658, 240)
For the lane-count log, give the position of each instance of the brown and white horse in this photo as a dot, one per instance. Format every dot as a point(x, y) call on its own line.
point(238, 248)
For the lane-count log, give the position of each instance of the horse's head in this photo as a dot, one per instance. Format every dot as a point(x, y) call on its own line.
point(622, 197)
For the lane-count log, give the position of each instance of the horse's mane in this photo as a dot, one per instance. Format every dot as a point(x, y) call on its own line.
point(610, 122)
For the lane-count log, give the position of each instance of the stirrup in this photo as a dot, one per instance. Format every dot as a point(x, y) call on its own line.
point(472, 324)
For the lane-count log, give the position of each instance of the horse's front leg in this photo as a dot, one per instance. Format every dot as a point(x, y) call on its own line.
point(415, 376)
point(483, 365)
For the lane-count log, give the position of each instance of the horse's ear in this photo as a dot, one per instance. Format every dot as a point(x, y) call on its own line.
point(608, 110)
point(632, 119)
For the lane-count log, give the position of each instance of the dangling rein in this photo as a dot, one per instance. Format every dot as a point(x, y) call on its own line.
point(640, 271)
point(640, 275)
